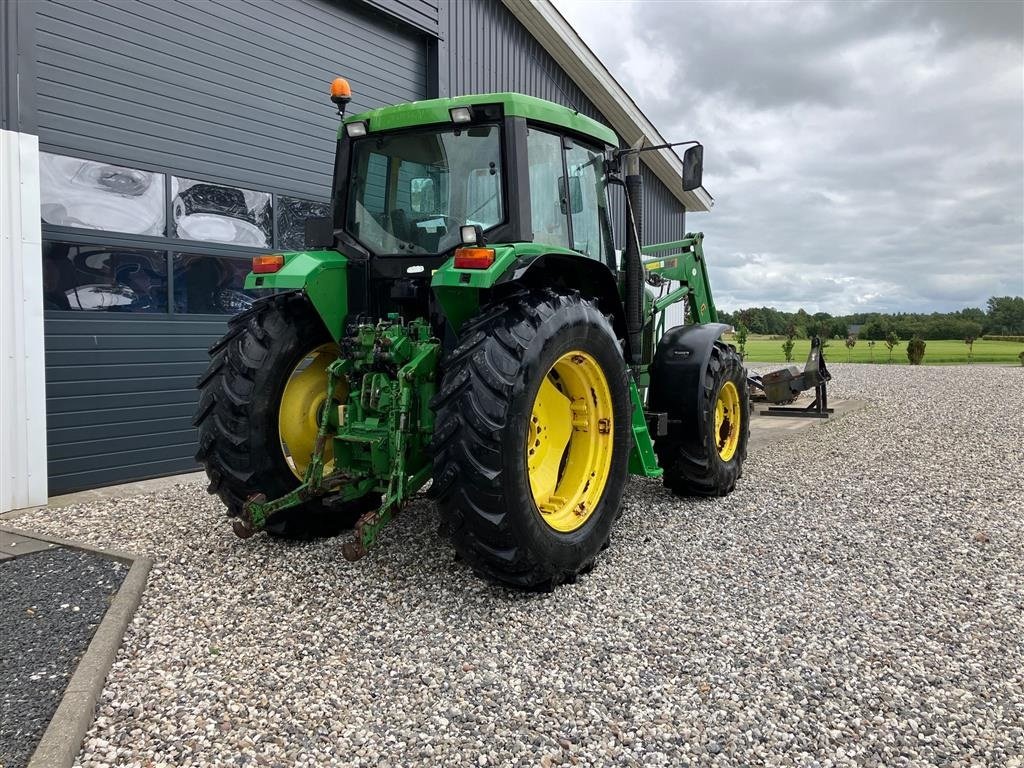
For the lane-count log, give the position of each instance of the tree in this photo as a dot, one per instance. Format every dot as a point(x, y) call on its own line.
point(787, 345)
point(1005, 315)
point(741, 340)
point(892, 341)
point(915, 350)
point(851, 342)
point(871, 350)
point(875, 330)
point(969, 341)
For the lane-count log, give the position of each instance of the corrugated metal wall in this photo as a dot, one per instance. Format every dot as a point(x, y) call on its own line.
point(420, 13)
point(120, 395)
point(7, 72)
point(223, 91)
point(488, 49)
point(226, 92)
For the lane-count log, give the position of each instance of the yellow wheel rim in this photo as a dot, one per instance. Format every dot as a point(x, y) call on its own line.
point(727, 421)
point(569, 441)
point(298, 417)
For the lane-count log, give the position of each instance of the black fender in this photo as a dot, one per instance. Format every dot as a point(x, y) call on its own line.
point(569, 272)
point(677, 375)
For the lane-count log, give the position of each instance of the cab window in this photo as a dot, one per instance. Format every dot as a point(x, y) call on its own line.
point(587, 200)
point(548, 201)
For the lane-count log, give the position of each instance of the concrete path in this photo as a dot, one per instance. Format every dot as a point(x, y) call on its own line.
point(13, 544)
point(765, 430)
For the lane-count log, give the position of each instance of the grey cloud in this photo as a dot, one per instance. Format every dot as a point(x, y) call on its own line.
point(862, 156)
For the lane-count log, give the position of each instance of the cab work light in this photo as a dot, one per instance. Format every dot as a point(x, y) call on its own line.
point(471, 234)
point(263, 265)
point(473, 258)
point(355, 130)
point(461, 114)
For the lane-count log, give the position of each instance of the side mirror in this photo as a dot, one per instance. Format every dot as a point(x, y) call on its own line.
point(421, 195)
point(320, 232)
point(575, 194)
point(693, 168)
point(570, 194)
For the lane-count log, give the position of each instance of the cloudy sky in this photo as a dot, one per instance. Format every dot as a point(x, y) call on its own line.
point(862, 156)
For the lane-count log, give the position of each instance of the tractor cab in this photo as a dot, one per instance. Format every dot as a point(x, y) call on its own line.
point(415, 182)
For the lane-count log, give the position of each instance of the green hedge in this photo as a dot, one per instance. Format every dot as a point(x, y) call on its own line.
point(1017, 339)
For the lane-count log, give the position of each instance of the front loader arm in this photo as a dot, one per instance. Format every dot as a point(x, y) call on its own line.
point(690, 270)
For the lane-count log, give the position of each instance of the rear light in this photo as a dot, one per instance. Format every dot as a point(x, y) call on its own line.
point(263, 265)
point(473, 258)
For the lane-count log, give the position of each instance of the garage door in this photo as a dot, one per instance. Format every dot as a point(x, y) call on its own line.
point(178, 138)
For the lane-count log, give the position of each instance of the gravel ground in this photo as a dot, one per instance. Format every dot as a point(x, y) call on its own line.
point(858, 600)
point(50, 604)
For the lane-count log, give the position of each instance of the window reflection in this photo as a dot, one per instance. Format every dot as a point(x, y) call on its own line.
point(220, 214)
point(84, 193)
point(211, 285)
point(291, 220)
point(103, 278)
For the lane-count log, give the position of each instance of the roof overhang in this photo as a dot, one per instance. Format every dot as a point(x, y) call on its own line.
point(567, 48)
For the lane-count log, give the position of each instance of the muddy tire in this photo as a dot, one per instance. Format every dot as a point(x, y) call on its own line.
point(237, 417)
point(521, 367)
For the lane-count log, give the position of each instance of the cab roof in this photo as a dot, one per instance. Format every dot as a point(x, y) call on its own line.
point(435, 111)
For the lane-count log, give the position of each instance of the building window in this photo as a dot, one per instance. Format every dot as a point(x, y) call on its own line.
point(220, 214)
point(292, 214)
point(211, 285)
point(84, 193)
point(103, 278)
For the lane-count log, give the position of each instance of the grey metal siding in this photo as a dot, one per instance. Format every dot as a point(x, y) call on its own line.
point(120, 395)
point(17, 66)
point(663, 213)
point(488, 49)
point(422, 14)
point(228, 92)
point(223, 91)
point(8, 62)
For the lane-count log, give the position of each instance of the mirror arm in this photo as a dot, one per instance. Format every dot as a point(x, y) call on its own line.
point(630, 150)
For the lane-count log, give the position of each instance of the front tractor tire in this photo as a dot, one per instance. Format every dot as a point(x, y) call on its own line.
point(704, 456)
point(259, 405)
point(532, 439)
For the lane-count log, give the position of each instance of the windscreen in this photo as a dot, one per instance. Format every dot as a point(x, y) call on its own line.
point(410, 192)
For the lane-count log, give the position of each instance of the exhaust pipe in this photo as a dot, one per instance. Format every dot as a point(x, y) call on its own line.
point(631, 255)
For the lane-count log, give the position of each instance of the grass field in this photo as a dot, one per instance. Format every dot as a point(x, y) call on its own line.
point(764, 349)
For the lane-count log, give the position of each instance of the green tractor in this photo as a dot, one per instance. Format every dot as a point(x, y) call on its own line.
point(462, 320)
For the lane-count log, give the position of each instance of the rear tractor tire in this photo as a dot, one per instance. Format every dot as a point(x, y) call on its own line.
point(532, 439)
point(704, 457)
point(259, 407)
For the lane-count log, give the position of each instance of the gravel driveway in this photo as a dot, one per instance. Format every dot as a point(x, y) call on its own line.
point(858, 600)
